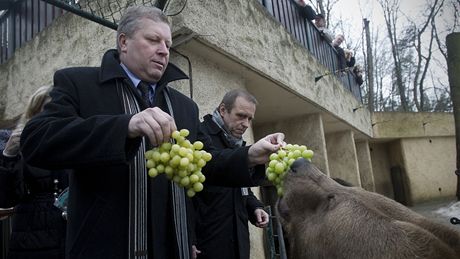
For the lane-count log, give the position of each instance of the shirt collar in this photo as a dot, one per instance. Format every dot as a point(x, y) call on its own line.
point(133, 77)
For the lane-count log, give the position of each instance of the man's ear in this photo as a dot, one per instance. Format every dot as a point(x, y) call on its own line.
point(122, 41)
point(222, 109)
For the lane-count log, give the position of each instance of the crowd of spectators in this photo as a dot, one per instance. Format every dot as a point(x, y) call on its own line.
point(345, 56)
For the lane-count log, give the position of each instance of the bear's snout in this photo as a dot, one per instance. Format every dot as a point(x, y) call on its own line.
point(298, 164)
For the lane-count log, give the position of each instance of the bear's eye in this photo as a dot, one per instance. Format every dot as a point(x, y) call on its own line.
point(330, 196)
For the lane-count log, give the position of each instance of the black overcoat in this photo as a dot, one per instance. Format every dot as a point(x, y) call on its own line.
point(84, 128)
point(37, 227)
point(222, 213)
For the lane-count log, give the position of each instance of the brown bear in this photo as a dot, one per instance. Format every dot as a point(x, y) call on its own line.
point(324, 219)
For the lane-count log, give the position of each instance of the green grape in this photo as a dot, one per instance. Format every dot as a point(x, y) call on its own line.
point(175, 135)
point(165, 146)
point(198, 145)
point(160, 168)
point(191, 193)
point(153, 172)
point(184, 132)
point(175, 148)
point(175, 161)
point(207, 157)
point(184, 162)
point(165, 157)
point(149, 154)
point(185, 181)
point(169, 170)
point(194, 178)
point(156, 155)
point(198, 187)
point(150, 164)
point(279, 168)
point(281, 161)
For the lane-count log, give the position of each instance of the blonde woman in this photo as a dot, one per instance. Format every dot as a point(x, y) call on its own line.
point(38, 229)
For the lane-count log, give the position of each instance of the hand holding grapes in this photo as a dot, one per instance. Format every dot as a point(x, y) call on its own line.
point(153, 123)
point(260, 151)
point(180, 161)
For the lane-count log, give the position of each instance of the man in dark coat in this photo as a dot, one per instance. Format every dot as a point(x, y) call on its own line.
point(99, 122)
point(222, 213)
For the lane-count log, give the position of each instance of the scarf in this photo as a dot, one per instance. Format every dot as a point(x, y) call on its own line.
point(138, 192)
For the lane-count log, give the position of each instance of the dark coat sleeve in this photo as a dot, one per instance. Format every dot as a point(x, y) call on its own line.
point(11, 181)
point(61, 137)
point(352, 62)
point(252, 203)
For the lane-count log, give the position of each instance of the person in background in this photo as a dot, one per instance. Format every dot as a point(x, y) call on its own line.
point(358, 71)
point(6, 127)
point(320, 23)
point(342, 62)
point(38, 228)
point(100, 122)
point(222, 213)
point(349, 58)
point(306, 11)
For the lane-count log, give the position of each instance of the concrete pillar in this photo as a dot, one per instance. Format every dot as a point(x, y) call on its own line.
point(304, 130)
point(343, 162)
point(365, 165)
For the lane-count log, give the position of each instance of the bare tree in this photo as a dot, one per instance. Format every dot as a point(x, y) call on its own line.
point(423, 57)
point(391, 13)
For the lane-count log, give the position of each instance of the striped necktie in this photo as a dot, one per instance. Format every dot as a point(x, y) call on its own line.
point(145, 89)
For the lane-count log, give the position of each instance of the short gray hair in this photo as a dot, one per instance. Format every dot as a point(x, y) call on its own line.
point(129, 22)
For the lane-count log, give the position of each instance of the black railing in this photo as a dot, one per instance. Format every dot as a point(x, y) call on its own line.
point(21, 22)
point(286, 12)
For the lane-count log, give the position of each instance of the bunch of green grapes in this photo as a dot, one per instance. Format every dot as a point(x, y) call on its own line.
point(180, 161)
point(280, 162)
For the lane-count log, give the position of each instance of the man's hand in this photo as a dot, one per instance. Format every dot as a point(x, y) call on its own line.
point(195, 252)
point(12, 146)
point(260, 151)
point(262, 218)
point(154, 123)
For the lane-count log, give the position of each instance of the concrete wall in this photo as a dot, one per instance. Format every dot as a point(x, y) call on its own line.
point(430, 167)
point(69, 41)
point(342, 157)
point(412, 124)
point(422, 147)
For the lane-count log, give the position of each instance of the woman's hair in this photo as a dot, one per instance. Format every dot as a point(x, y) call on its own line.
point(36, 102)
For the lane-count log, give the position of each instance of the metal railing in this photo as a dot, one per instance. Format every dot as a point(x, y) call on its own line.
point(306, 33)
point(21, 22)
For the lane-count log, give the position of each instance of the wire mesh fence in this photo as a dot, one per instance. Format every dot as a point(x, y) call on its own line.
point(105, 12)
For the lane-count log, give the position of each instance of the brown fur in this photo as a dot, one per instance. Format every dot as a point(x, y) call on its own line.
point(324, 219)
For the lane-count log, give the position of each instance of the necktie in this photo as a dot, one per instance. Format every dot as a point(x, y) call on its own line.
point(144, 87)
